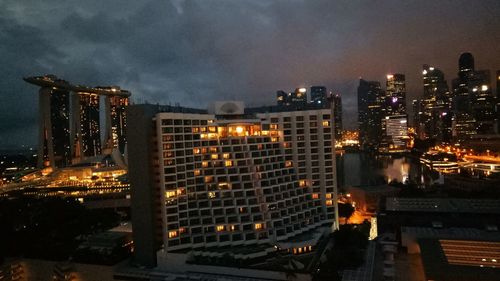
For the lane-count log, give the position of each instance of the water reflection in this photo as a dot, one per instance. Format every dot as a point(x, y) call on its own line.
point(355, 169)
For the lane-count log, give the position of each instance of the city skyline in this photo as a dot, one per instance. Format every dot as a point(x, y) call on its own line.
point(201, 53)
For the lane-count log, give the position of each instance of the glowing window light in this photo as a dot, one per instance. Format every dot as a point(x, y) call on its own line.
point(239, 129)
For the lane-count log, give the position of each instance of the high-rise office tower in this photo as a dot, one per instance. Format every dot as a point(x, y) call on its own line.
point(434, 118)
point(54, 143)
point(465, 65)
point(283, 98)
point(473, 101)
point(249, 178)
point(396, 132)
point(370, 113)
point(87, 133)
point(395, 96)
point(319, 95)
point(295, 100)
point(299, 98)
point(483, 102)
point(337, 115)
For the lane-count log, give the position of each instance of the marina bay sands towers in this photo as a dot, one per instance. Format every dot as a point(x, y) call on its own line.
point(70, 121)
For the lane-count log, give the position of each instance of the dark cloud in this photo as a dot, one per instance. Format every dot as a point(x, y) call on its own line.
point(194, 52)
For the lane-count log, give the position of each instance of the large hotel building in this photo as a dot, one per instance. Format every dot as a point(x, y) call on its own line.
point(70, 125)
point(260, 179)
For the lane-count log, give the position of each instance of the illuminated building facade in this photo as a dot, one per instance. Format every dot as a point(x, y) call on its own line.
point(54, 149)
point(87, 128)
point(116, 130)
point(233, 177)
point(62, 104)
point(319, 95)
point(294, 100)
point(370, 113)
point(396, 131)
point(433, 114)
point(473, 101)
point(395, 95)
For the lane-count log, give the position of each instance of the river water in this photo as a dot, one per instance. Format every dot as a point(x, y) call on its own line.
point(360, 169)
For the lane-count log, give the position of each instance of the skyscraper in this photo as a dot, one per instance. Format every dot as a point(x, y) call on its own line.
point(434, 120)
point(319, 95)
point(87, 132)
point(370, 113)
point(473, 100)
point(54, 143)
point(62, 104)
point(283, 98)
point(117, 123)
point(395, 132)
point(234, 177)
point(395, 96)
point(337, 115)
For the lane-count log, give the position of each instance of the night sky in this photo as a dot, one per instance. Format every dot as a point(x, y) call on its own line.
point(195, 52)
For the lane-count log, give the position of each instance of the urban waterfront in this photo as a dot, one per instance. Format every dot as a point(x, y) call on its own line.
point(363, 169)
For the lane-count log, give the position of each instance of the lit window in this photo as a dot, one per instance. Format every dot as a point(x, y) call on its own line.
point(220, 228)
point(172, 234)
point(302, 183)
point(274, 126)
point(197, 172)
point(215, 156)
point(204, 164)
point(226, 155)
point(326, 123)
point(258, 226)
point(170, 194)
point(228, 163)
point(329, 196)
point(224, 185)
point(315, 196)
point(211, 195)
point(288, 164)
point(209, 179)
point(196, 150)
point(182, 230)
point(329, 202)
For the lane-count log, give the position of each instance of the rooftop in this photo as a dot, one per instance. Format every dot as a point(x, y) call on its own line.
point(460, 260)
point(54, 81)
point(443, 205)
